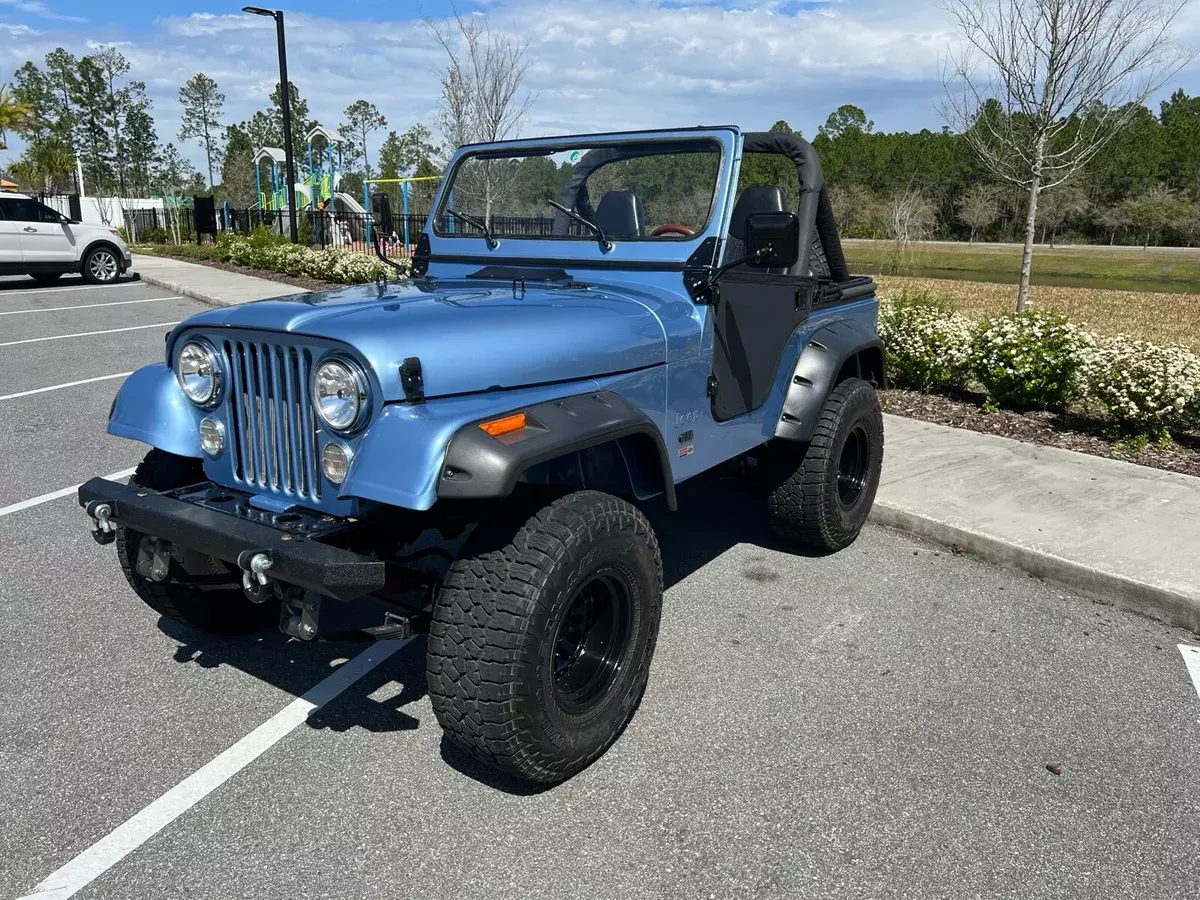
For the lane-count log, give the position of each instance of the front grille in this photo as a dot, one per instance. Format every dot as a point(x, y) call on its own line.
point(274, 437)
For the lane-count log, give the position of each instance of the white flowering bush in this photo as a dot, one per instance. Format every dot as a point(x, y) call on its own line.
point(1029, 359)
point(928, 346)
point(265, 251)
point(1143, 387)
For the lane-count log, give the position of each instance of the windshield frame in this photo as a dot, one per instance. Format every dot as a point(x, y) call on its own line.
point(586, 249)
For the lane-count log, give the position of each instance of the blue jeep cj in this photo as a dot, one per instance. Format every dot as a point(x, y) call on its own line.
point(591, 321)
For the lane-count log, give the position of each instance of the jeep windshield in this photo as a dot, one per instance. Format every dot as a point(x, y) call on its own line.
point(631, 191)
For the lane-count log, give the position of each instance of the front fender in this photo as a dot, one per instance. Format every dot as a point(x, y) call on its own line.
point(151, 408)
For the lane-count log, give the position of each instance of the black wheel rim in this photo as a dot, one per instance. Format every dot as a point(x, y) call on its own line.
point(853, 466)
point(591, 640)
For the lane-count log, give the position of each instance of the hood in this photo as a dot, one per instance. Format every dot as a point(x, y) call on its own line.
point(470, 336)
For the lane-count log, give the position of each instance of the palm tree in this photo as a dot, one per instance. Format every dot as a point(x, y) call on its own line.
point(14, 114)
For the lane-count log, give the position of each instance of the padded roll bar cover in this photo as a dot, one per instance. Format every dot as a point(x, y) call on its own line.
point(479, 466)
point(814, 208)
point(815, 374)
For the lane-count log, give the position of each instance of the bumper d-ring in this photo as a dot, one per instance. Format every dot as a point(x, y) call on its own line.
point(254, 565)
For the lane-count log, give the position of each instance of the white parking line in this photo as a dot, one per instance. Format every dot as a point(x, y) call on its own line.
point(119, 843)
point(56, 495)
point(61, 337)
point(81, 287)
point(23, 312)
point(59, 387)
point(1191, 659)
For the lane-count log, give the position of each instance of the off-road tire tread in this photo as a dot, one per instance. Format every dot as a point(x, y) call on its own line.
point(800, 508)
point(487, 602)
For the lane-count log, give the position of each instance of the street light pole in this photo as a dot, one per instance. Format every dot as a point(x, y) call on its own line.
point(285, 102)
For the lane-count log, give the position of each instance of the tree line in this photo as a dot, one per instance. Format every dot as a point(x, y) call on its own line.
point(90, 108)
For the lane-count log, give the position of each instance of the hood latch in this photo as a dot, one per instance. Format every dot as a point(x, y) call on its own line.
point(412, 380)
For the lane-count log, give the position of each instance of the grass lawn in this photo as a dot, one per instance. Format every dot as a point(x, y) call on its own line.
point(1181, 265)
point(1157, 317)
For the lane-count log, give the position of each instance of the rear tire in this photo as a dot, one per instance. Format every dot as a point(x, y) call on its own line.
point(47, 277)
point(821, 492)
point(217, 608)
point(101, 265)
point(541, 640)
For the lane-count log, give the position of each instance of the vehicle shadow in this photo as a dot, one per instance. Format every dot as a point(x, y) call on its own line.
point(716, 512)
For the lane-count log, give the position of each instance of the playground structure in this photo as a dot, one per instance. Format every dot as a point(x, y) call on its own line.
point(316, 191)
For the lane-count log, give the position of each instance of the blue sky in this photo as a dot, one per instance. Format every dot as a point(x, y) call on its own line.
point(595, 64)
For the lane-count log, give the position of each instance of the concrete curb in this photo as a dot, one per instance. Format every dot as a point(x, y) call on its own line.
point(183, 291)
point(1173, 608)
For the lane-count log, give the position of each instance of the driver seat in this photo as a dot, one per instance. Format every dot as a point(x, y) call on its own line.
point(621, 215)
point(758, 198)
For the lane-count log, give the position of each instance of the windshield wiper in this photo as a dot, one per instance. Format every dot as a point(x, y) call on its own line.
point(605, 243)
point(471, 220)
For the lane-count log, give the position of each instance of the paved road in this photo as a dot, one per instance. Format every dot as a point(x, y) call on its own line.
point(873, 724)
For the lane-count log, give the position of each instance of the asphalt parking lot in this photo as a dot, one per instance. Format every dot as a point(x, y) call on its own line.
point(875, 724)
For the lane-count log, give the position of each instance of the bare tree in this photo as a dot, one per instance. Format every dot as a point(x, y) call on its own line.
point(911, 218)
point(1059, 206)
point(979, 208)
point(482, 99)
point(1040, 86)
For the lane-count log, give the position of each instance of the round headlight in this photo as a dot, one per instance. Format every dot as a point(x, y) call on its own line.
point(339, 392)
point(335, 461)
point(199, 373)
point(212, 436)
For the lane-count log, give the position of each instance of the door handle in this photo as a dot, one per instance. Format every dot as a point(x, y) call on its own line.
point(30, 229)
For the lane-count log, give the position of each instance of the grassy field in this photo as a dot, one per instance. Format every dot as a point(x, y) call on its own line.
point(1181, 265)
point(1161, 318)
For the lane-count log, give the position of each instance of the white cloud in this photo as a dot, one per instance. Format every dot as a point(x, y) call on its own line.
point(595, 64)
point(37, 8)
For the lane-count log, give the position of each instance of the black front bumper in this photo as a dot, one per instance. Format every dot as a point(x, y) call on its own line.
point(296, 556)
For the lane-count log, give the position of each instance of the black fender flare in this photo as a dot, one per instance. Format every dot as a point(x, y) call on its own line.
point(479, 466)
point(817, 372)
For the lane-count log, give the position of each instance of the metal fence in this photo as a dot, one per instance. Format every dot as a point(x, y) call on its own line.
point(346, 230)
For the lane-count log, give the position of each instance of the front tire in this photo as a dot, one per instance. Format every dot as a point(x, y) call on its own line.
point(541, 640)
point(101, 265)
point(194, 592)
point(821, 493)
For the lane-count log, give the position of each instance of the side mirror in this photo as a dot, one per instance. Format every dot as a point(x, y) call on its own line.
point(772, 240)
point(381, 212)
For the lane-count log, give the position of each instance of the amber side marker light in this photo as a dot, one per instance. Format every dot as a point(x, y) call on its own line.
point(497, 427)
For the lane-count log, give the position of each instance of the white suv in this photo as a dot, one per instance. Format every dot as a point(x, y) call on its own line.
point(39, 241)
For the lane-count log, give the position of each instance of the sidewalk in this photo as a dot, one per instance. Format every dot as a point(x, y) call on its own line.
point(1118, 532)
point(215, 287)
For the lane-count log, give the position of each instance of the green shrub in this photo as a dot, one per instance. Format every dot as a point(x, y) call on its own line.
point(263, 250)
point(182, 251)
point(928, 345)
point(1145, 388)
point(1029, 359)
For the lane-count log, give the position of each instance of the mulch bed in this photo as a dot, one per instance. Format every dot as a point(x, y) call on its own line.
point(1068, 430)
point(306, 284)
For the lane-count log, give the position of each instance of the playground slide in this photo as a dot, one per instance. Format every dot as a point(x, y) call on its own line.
point(345, 201)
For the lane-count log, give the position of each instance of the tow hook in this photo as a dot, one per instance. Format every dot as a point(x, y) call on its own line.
point(255, 583)
point(104, 532)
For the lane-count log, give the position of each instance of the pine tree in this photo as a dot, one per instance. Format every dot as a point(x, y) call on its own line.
point(362, 120)
point(202, 104)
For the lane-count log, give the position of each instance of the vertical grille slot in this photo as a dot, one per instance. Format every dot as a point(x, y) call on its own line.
point(273, 425)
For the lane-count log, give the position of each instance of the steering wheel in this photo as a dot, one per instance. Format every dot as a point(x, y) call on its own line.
point(672, 228)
